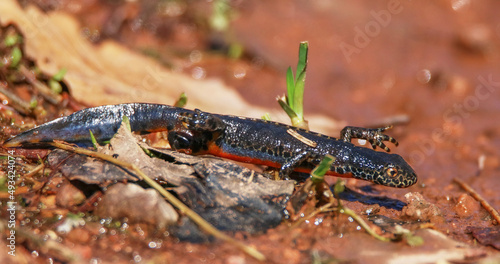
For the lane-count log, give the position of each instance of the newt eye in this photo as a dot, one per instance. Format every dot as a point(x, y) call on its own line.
point(179, 140)
point(392, 172)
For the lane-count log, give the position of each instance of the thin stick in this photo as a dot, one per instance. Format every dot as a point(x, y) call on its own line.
point(35, 170)
point(363, 224)
point(207, 227)
point(322, 209)
point(478, 197)
point(347, 211)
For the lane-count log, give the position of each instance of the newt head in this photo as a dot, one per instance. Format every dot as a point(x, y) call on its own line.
point(380, 168)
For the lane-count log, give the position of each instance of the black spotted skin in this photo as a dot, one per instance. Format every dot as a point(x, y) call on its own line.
point(265, 140)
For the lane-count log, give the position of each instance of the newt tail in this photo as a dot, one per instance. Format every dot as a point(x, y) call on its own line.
point(243, 139)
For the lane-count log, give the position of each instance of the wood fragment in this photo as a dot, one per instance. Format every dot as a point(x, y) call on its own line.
point(480, 199)
point(301, 138)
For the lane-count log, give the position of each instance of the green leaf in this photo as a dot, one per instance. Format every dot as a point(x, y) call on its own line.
point(59, 75)
point(182, 101)
point(126, 120)
point(33, 103)
point(235, 50)
point(148, 152)
point(411, 239)
point(303, 51)
point(414, 241)
point(75, 216)
point(289, 111)
point(93, 139)
point(221, 15)
point(55, 86)
point(298, 100)
point(11, 40)
point(339, 187)
point(16, 56)
point(290, 86)
point(298, 97)
point(317, 175)
point(266, 117)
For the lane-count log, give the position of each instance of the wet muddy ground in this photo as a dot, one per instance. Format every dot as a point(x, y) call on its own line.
point(429, 67)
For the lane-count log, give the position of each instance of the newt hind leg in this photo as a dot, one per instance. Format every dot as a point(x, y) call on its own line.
point(373, 135)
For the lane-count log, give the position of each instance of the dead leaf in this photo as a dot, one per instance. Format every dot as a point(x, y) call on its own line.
point(488, 236)
point(124, 146)
point(86, 169)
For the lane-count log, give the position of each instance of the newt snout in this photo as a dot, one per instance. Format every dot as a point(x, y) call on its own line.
point(381, 168)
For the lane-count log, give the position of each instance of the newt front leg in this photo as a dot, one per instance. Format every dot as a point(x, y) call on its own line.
point(195, 131)
point(373, 135)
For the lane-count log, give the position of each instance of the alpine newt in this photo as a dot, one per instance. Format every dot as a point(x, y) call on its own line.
point(238, 138)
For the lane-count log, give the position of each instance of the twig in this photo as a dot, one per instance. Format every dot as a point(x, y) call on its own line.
point(35, 170)
point(478, 197)
point(207, 227)
point(347, 211)
point(16, 102)
point(48, 94)
point(363, 224)
point(322, 209)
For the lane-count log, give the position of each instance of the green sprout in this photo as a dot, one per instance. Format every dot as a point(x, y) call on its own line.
point(318, 174)
point(33, 103)
point(93, 139)
point(182, 101)
point(55, 81)
point(60, 75)
point(16, 56)
point(12, 40)
point(221, 15)
point(293, 102)
point(266, 117)
point(220, 21)
point(126, 120)
point(411, 239)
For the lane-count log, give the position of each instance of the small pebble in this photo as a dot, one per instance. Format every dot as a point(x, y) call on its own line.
point(466, 206)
